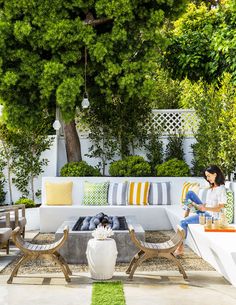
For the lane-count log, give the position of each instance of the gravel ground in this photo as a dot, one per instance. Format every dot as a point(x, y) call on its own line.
point(190, 261)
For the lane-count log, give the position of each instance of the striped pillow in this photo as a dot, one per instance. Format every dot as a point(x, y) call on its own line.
point(159, 193)
point(189, 186)
point(117, 194)
point(138, 193)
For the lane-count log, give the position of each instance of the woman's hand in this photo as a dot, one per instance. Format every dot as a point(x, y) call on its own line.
point(199, 207)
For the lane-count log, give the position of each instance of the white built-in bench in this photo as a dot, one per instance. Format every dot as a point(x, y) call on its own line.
point(150, 217)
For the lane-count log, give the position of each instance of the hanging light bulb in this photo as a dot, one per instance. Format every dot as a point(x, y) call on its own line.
point(56, 125)
point(85, 102)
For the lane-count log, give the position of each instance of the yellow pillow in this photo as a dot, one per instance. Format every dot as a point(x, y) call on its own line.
point(188, 186)
point(138, 193)
point(59, 193)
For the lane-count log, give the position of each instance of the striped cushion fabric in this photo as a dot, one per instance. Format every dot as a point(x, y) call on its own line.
point(159, 193)
point(138, 193)
point(117, 194)
point(189, 186)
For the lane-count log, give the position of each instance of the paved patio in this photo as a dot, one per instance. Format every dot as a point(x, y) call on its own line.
point(165, 288)
point(149, 287)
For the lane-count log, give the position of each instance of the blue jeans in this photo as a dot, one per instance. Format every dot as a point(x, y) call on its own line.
point(193, 219)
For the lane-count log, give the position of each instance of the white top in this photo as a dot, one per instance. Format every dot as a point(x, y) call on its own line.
point(216, 196)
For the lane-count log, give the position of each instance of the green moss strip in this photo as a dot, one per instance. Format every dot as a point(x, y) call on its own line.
point(108, 293)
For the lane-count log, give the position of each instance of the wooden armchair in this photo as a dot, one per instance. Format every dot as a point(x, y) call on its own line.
point(5, 231)
point(150, 250)
point(17, 217)
point(34, 251)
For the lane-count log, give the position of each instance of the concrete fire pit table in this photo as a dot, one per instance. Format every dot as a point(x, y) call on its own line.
point(74, 249)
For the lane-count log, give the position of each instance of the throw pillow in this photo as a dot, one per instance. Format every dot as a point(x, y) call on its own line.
point(229, 206)
point(159, 193)
point(138, 193)
point(189, 186)
point(117, 194)
point(59, 193)
point(95, 193)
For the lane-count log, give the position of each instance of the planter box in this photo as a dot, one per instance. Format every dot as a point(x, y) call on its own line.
point(32, 217)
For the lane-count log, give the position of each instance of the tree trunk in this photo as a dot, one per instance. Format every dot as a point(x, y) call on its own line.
point(73, 149)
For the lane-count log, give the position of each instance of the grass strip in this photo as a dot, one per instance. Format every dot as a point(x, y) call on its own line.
point(108, 293)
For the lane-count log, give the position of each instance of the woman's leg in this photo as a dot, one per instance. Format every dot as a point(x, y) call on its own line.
point(194, 219)
point(193, 197)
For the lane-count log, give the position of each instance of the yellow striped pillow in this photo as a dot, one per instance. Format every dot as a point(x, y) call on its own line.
point(138, 193)
point(188, 186)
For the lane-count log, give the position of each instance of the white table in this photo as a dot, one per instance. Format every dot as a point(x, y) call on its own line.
point(217, 248)
point(101, 256)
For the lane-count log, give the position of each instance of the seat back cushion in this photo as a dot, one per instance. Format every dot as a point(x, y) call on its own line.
point(117, 193)
point(95, 193)
point(138, 193)
point(159, 193)
point(59, 193)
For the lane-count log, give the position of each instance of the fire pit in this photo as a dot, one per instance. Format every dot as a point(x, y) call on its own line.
point(74, 249)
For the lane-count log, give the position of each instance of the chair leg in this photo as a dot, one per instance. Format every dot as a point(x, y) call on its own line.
point(15, 270)
point(63, 268)
point(8, 246)
point(138, 262)
point(134, 259)
point(62, 260)
point(179, 265)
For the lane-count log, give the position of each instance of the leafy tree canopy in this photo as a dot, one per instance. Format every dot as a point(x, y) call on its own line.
point(203, 42)
point(42, 47)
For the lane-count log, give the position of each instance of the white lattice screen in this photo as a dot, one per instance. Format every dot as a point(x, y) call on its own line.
point(167, 121)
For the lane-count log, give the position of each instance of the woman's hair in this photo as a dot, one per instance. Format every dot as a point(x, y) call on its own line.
point(213, 169)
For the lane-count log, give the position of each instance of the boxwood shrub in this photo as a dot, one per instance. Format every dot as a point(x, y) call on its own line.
point(79, 169)
point(173, 168)
point(131, 166)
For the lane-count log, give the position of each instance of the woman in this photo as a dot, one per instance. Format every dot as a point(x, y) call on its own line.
point(215, 201)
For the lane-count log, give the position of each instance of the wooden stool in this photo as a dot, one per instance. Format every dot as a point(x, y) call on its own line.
point(34, 251)
point(149, 250)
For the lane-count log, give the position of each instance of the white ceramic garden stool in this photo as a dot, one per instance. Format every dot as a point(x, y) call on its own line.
point(101, 256)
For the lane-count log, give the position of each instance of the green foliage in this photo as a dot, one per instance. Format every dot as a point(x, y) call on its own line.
point(167, 91)
point(216, 109)
point(21, 151)
point(154, 148)
point(173, 168)
point(202, 44)
point(174, 147)
point(29, 203)
point(78, 169)
point(2, 193)
point(131, 166)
